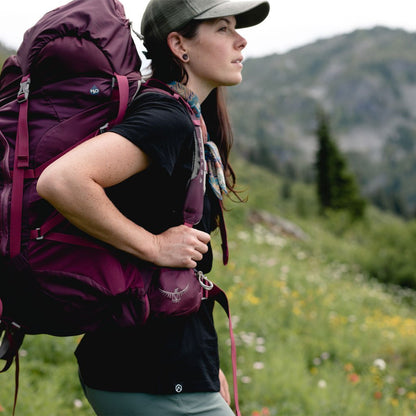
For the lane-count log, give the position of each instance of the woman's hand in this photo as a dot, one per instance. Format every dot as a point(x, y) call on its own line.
point(224, 390)
point(179, 246)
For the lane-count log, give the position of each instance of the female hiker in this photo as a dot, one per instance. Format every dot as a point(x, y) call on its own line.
point(126, 187)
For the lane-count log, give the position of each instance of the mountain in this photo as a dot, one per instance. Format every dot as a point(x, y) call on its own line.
point(365, 81)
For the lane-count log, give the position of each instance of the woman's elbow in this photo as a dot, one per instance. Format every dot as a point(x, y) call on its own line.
point(49, 184)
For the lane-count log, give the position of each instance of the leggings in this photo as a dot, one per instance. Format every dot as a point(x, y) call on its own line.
point(108, 403)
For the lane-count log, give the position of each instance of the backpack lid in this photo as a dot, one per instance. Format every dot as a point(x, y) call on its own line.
point(101, 21)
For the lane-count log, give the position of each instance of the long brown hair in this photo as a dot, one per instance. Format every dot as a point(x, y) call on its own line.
point(167, 68)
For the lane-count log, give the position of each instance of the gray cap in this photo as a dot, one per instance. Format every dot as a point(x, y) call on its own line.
point(164, 16)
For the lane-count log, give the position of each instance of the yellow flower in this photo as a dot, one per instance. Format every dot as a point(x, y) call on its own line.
point(348, 367)
point(411, 395)
point(394, 402)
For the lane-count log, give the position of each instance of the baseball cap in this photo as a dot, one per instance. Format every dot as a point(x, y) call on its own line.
point(164, 16)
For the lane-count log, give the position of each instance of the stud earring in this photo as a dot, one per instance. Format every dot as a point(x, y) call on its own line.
point(185, 57)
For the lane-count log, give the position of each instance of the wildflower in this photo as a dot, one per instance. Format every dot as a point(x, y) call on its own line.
point(411, 395)
point(235, 319)
point(243, 235)
point(248, 337)
point(322, 384)
point(237, 279)
point(22, 353)
point(251, 299)
point(348, 367)
point(380, 364)
point(255, 413)
point(353, 378)
point(78, 403)
point(317, 361)
point(261, 349)
point(401, 391)
point(265, 411)
point(325, 356)
point(394, 402)
point(258, 365)
point(2, 409)
point(378, 395)
point(246, 379)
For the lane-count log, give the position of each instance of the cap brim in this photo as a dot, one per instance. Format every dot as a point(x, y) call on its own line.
point(247, 13)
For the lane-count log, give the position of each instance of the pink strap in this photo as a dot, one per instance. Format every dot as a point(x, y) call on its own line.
point(55, 219)
point(123, 90)
point(44, 232)
point(220, 296)
point(75, 240)
point(21, 162)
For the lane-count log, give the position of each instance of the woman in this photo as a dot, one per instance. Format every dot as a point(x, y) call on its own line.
point(127, 187)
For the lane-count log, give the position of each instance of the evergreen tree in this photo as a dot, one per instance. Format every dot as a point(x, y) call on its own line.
point(336, 186)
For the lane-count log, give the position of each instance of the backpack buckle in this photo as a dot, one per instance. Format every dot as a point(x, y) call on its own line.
point(39, 235)
point(204, 281)
point(23, 93)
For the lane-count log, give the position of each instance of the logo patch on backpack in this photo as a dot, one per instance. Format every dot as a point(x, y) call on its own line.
point(94, 90)
point(176, 295)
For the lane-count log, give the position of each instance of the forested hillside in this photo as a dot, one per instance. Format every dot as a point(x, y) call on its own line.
point(323, 307)
point(365, 81)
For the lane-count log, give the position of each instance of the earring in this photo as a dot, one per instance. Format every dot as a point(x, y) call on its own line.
point(185, 57)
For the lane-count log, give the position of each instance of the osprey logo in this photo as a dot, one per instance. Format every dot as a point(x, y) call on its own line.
point(94, 90)
point(176, 295)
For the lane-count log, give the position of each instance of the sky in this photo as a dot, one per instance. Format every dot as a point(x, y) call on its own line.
point(291, 23)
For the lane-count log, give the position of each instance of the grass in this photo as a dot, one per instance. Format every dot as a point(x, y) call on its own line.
point(317, 334)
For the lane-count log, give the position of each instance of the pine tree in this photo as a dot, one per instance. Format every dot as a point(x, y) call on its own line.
point(336, 186)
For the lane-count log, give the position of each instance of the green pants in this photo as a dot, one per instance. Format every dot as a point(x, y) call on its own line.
point(108, 403)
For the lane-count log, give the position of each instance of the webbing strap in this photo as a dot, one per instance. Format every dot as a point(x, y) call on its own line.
point(9, 351)
point(224, 240)
point(21, 162)
point(16, 382)
point(220, 296)
point(123, 90)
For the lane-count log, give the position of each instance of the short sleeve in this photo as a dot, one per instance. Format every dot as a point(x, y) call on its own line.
point(160, 126)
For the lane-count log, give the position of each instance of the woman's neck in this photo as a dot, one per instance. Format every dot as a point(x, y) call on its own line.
point(201, 90)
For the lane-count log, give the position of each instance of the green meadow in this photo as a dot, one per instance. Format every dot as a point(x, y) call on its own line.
point(321, 329)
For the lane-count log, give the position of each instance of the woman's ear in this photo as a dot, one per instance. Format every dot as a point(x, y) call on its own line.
point(176, 45)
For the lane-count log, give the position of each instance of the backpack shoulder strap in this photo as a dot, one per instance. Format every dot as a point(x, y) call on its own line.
point(194, 200)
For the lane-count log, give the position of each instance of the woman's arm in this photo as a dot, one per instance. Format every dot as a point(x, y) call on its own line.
point(74, 184)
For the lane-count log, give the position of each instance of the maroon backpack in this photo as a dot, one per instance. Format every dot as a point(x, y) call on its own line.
point(74, 76)
point(78, 70)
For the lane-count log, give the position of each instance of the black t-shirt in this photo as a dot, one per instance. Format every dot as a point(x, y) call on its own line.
point(172, 355)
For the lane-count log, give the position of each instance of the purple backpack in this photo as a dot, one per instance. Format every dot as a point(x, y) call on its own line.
point(78, 70)
point(74, 76)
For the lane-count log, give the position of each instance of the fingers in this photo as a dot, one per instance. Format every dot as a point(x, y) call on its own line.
point(181, 246)
point(224, 389)
point(195, 245)
point(196, 239)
